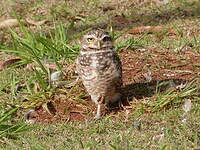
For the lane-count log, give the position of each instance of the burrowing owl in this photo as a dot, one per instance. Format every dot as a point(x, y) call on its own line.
point(100, 69)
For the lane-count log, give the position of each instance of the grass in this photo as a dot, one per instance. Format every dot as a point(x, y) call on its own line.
point(9, 126)
point(112, 132)
point(150, 122)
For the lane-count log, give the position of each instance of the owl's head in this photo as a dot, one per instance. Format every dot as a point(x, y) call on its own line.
point(96, 40)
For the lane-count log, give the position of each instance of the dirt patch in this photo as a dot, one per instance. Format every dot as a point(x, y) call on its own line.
point(65, 110)
point(160, 65)
point(139, 68)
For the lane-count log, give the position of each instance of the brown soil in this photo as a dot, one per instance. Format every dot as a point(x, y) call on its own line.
point(140, 68)
point(65, 110)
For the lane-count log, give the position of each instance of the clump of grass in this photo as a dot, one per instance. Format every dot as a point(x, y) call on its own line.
point(40, 48)
point(8, 126)
point(131, 43)
point(173, 97)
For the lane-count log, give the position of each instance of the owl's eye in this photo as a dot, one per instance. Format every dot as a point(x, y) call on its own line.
point(107, 38)
point(90, 40)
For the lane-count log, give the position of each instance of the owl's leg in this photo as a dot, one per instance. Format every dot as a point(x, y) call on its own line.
point(99, 102)
point(98, 113)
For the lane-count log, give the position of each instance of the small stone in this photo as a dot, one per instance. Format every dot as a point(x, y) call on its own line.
point(56, 76)
point(137, 125)
point(30, 116)
point(187, 105)
point(158, 137)
point(184, 120)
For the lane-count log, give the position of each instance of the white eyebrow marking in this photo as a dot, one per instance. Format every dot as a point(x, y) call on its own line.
point(90, 36)
point(95, 52)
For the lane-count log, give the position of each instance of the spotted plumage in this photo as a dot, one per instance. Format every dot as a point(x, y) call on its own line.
point(99, 67)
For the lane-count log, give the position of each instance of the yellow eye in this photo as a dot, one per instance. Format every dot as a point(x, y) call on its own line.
point(90, 40)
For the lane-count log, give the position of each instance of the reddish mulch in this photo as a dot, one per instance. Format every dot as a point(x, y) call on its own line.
point(158, 65)
point(161, 64)
point(65, 110)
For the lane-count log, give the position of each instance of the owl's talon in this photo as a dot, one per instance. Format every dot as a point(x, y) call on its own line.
point(97, 116)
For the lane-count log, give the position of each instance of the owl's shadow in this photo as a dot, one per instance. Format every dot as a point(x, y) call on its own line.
point(139, 91)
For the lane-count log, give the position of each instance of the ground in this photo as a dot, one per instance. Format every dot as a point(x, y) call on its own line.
point(158, 43)
point(134, 64)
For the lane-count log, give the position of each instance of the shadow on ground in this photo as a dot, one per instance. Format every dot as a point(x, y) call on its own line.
point(138, 91)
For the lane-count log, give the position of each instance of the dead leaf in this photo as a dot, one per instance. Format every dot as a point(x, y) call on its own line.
point(108, 8)
point(9, 23)
point(151, 29)
point(148, 29)
point(9, 62)
point(33, 66)
point(50, 66)
point(171, 32)
point(76, 18)
point(36, 23)
point(121, 19)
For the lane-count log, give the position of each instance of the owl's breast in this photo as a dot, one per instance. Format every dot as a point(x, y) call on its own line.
point(91, 66)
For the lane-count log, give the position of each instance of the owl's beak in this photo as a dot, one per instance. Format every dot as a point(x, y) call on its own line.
point(98, 45)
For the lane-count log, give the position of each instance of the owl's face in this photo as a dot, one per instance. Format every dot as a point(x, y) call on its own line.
point(96, 40)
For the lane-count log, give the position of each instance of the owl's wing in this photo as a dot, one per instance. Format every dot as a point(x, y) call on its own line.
point(118, 64)
point(77, 69)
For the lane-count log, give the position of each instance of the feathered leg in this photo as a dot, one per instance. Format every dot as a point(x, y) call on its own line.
point(99, 102)
point(98, 113)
